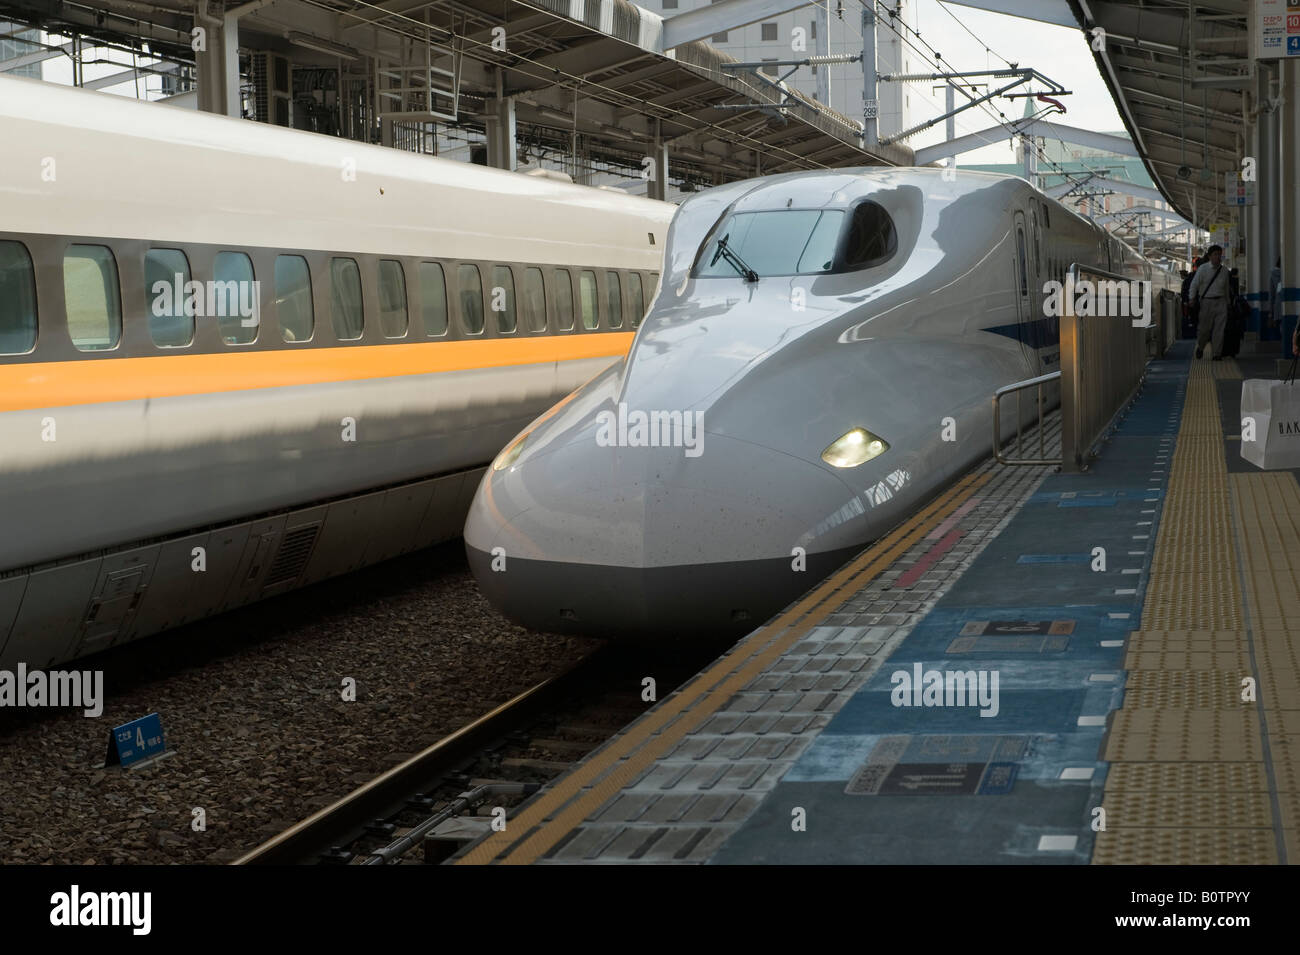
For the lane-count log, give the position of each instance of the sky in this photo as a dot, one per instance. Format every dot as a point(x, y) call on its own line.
point(1060, 53)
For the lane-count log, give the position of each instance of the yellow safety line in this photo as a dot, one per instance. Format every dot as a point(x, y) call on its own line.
point(628, 756)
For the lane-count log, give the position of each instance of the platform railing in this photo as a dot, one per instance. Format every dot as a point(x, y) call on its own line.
point(1103, 362)
point(1018, 389)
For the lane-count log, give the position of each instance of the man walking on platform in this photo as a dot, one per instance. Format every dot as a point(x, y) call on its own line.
point(1208, 293)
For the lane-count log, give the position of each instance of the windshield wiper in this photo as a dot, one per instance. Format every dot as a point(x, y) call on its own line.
point(735, 261)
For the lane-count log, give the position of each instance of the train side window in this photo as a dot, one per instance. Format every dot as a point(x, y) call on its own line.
point(637, 296)
point(1038, 241)
point(590, 306)
point(236, 297)
point(393, 320)
point(91, 296)
point(166, 273)
point(293, 302)
point(471, 298)
point(871, 238)
point(503, 299)
point(345, 299)
point(433, 299)
point(654, 284)
point(17, 299)
point(614, 299)
point(534, 300)
point(1020, 259)
point(563, 300)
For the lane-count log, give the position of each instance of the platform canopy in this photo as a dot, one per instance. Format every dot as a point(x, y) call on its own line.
point(553, 74)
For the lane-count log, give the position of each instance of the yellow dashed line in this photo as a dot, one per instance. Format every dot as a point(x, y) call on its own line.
point(564, 806)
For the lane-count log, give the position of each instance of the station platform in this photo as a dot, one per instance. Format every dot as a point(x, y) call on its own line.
point(1147, 709)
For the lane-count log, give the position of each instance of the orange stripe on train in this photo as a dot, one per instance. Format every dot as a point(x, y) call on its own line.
point(97, 380)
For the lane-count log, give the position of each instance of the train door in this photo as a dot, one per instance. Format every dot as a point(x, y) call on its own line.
point(1024, 297)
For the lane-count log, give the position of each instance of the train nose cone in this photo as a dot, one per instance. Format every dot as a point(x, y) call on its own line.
point(636, 542)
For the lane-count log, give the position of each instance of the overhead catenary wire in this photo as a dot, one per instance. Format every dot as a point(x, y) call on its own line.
point(934, 58)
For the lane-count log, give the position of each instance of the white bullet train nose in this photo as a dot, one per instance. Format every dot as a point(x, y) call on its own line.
point(629, 542)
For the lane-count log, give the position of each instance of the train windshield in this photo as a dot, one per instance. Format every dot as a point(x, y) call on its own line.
point(782, 242)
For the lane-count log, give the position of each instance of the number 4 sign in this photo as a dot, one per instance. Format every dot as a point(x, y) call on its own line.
point(136, 742)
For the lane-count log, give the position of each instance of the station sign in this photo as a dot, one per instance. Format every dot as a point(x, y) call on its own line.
point(1276, 29)
point(1237, 192)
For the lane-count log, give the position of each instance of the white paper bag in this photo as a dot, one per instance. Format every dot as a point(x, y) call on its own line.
point(1272, 408)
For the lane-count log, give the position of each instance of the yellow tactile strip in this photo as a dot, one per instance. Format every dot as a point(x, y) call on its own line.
point(1189, 782)
point(1268, 506)
point(553, 814)
point(1208, 846)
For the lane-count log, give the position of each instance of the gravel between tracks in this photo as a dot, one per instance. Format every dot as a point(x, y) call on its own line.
point(252, 707)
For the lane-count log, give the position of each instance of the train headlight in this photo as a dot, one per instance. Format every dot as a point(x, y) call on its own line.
point(510, 454)
point(853, 448)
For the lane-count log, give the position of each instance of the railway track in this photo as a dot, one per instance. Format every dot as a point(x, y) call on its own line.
point(429, 806)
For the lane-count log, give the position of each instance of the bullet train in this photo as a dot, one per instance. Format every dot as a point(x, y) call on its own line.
point(236, 359)
point(819, 361)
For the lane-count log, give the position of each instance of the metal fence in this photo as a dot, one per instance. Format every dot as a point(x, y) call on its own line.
point(1103, 362)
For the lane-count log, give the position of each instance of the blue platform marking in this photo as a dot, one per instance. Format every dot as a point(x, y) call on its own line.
point(1056, 686)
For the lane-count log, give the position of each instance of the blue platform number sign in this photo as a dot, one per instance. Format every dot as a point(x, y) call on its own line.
point(135, 741)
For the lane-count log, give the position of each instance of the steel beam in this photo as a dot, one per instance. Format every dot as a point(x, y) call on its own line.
point(703, 22)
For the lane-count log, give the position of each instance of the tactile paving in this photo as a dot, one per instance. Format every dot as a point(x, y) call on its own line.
point(1136, 809)
point(1181, 733)
point(1189, 781)
point(1210, 846)
point(1197, 688)
point(1180, 777)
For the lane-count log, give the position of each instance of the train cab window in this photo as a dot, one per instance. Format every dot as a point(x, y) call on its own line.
point(563, 300)
point(393, 319)
point(171, 322)
point(654, 284)
point(345, 299)
point(614, 299)
point(503, 299)
point(871, 238)
point(236, 297)
point(534, 300)
point(17, 300)
point(636, 295)
point(91, 297)
point(471, 298)
point(590, 305)
point(777, 242)
point(293, 302)
point(1020, 261)
point(433, 299)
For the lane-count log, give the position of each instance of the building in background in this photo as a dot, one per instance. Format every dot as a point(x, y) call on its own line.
point(829, 27)
point(16, 41)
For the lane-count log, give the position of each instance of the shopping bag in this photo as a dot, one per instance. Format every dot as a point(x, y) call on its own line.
point(1270, 422)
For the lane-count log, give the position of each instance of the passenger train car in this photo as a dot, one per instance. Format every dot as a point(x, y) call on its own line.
point(819, 361)
point(236, 359)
